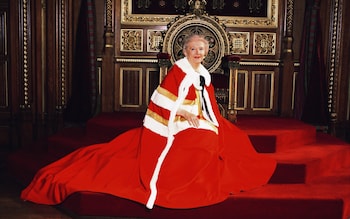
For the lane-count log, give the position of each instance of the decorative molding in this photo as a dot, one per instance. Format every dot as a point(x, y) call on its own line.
point(132, 59)
point(26, 59)
point(154, 40)
point(333, 55)
point(264, 43)
point(270, 21)
point(289, 17)
point(140, 59)
point(62, 55)
point(109, 15)
point(239, 42)
point(260, 63)
point(127, 17)
point(131, 40)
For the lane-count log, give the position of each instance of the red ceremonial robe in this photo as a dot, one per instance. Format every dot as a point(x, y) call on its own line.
point(166, 162)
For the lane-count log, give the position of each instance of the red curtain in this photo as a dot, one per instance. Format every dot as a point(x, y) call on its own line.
point(311, 86)
point(82, 104)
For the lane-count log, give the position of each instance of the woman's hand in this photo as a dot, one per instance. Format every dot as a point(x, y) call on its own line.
point(190, 117)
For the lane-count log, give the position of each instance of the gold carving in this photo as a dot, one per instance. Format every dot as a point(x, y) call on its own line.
point(131, 40)
point(239, 42)
point(26, 62)
point(128, 18)
point(154, 40)
point(264, 43)
point(270, 21)
point(334, 61)
point(63, 55)
point(109, 13)
point(289, 18)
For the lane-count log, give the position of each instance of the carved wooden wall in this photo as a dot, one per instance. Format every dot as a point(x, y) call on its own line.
point(36, 47)
point(5, 80)
point(258, 40)
point(37, 39)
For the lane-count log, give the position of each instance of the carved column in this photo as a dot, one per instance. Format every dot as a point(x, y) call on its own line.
point(288, 63)
point(107, 77)
point(233, 64)
point(333, 65)
point(25, 73)
point(164, 63)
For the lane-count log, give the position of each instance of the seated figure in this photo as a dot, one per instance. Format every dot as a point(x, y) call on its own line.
point(185, 155)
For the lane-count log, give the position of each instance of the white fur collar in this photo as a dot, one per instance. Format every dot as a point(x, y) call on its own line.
point(188, 69)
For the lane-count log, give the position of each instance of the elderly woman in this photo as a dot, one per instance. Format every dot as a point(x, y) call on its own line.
point(184, 156)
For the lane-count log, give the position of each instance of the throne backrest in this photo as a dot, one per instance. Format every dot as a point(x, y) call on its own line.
point(205, 25)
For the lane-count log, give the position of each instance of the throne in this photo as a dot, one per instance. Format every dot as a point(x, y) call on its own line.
point(217, 62)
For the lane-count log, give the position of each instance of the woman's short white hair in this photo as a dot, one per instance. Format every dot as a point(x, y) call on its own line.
point(199, 37)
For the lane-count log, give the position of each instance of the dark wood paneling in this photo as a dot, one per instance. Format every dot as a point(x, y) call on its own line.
point(242, 89)
point(5, 109)
point(262, 86)
point(131, 86)
point(4, 71)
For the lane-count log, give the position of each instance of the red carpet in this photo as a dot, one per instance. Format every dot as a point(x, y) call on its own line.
point(312, 179)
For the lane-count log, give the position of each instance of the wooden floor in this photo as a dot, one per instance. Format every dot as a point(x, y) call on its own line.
point(12, 207)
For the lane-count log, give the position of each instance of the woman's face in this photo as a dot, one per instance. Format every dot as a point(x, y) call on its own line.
point(195, 51)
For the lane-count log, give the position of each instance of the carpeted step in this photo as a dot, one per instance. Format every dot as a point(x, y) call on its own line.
point(271, 134)
point(106, 126)
point(268, 134)
point(68, 140)
point(23, 165)
point(306, 164)
point(311, 180)
point(335, 177)
point(297, 201)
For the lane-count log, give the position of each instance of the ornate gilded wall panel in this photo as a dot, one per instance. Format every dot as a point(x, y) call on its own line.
point(239, 42)
point(262, 89)
point(237, 35)
point(130, 87)
point(264, 43)
point(154, 40)
point(131, 40)
point(259, 13)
